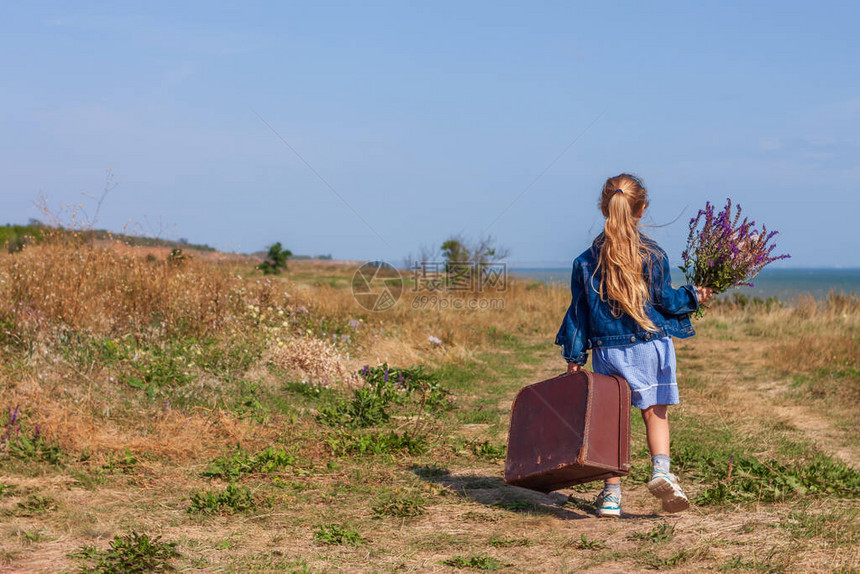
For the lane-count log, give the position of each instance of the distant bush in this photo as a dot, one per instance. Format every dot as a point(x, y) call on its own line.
point(16, 237)
point(276, 259)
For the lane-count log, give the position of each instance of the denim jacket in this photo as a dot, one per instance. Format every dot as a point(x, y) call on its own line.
point(589, 321)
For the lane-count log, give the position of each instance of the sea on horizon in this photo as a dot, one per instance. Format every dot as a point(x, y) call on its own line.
point(784, 284)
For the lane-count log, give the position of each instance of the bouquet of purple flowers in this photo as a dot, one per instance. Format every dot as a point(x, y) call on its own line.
point(723, 251)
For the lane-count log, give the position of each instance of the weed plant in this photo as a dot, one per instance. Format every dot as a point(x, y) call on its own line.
point(241, 463)
point(231, 500)
point(132, 553)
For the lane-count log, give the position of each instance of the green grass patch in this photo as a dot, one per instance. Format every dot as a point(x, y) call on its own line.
point(839, 526)
point(730, 472)
point(479, 416)
point(488, 451)
point(754, 480)
point(663, 532)
point(130, 554)
point(478, 562)
point(463, 375)
point(241, 463)
point(26, 441)
point(412, 389)
point(231, 500)
point(158, 367)
point(33, 536)
point(594, 544)
point(35, 505)
point(335, 534)
point(313, 392)
point(125, 463)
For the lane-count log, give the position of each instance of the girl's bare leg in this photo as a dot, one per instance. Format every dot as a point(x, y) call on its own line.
point(657, 429)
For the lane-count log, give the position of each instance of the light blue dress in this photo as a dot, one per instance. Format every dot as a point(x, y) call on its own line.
point(649, 368)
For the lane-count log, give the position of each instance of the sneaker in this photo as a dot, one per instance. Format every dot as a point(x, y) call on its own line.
point(665, 486)
point(608, 505)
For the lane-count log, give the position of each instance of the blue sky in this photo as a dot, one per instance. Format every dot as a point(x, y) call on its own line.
point(429, 119)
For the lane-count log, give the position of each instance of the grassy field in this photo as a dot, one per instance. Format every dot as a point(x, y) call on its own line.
point(194, 415)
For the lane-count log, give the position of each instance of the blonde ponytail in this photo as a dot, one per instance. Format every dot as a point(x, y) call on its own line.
point(623, 253)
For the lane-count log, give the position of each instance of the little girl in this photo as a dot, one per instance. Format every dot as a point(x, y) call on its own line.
point(625, 309)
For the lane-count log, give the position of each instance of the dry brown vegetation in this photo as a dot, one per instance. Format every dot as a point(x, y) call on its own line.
point(137, 375)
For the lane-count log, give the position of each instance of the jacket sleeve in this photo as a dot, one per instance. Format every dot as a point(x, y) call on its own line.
point(664, 297)
point(573, 334)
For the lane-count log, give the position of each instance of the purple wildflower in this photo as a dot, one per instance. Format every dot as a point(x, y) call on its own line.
point(13, 425)
point(725, 250)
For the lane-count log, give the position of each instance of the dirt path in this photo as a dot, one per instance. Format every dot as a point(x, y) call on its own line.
point(740, 385)
point(821, 432)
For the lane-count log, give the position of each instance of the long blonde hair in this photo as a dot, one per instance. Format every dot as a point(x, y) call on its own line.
point(623, 253)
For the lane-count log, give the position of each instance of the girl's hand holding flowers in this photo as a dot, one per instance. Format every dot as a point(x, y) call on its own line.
point(704, 294)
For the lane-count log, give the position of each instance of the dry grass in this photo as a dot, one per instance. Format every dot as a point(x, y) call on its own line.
point(107, 292)
point(314, 362)
point(115, 355)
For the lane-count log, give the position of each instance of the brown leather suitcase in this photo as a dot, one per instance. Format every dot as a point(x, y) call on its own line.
point(567, 430)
